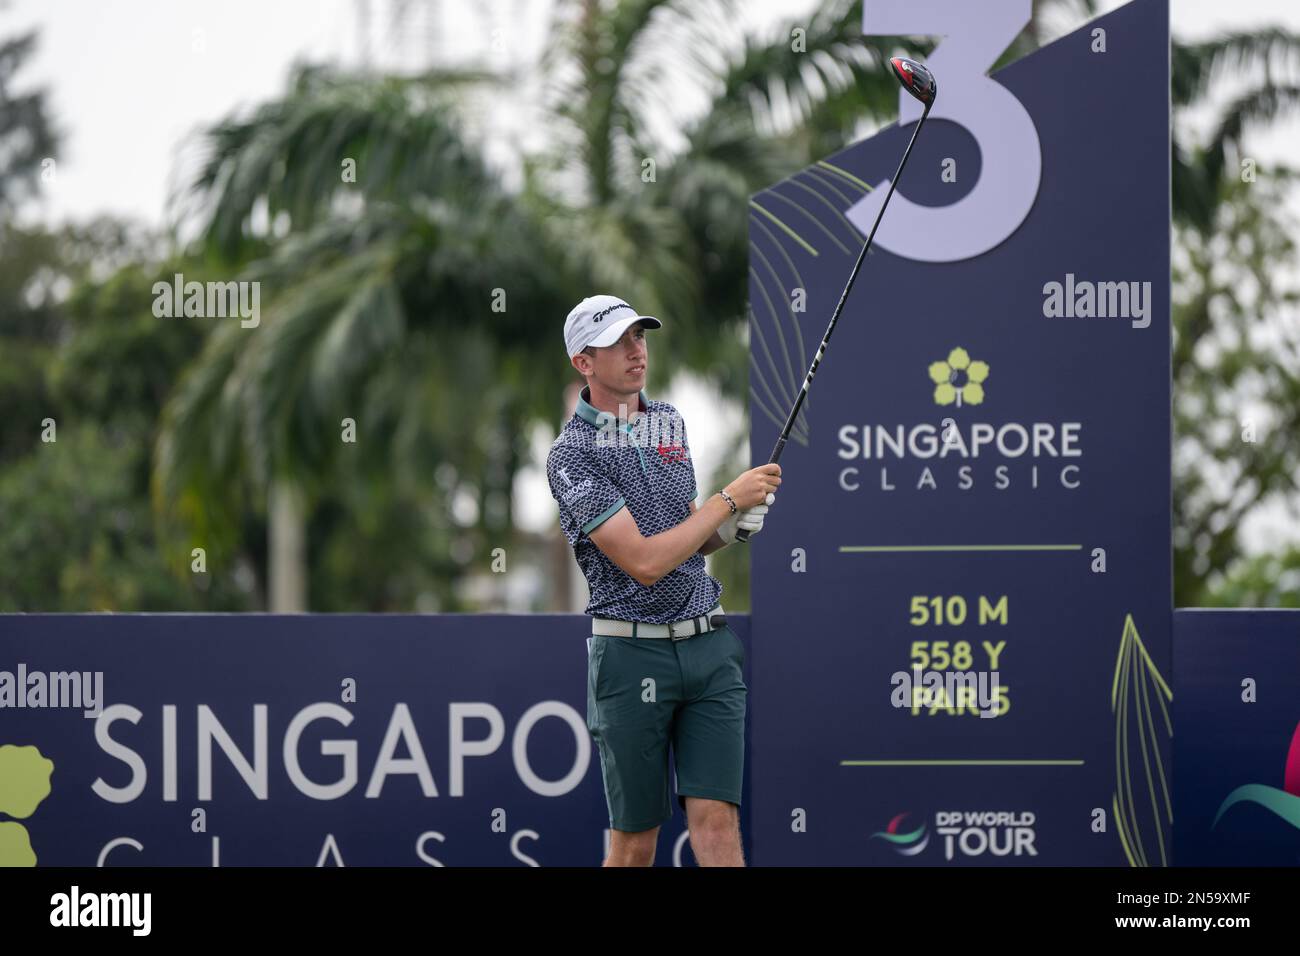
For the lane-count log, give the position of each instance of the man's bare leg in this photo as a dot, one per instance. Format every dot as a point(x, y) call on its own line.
point(632, 849)
point(715, 832)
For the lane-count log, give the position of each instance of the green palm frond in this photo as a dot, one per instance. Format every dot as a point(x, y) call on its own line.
point(1254, 109)
point(199, 457)
point(610, 68)
point(290, 154)
point(632, 249)
point(834, 80)
point(1197, 69)
point(310, 364)
point(1198, 66)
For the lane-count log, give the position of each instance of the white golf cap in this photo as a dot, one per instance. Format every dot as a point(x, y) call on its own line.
point(601, 320)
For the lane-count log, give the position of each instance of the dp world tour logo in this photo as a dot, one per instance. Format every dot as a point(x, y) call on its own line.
point(959, 379)
point(24, 783)
point(905, 844)
point(1285, 802)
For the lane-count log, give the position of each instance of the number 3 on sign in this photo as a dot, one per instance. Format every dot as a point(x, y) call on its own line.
point(975, 34)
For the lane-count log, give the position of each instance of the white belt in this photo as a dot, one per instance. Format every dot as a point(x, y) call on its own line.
point(677, 630)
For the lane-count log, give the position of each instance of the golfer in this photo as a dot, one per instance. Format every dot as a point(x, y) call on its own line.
point(663, 667)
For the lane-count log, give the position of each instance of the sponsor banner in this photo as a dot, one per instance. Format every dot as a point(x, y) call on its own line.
point(1237, 750)
point(302, 740)
point(964, 591)
point(392, 740)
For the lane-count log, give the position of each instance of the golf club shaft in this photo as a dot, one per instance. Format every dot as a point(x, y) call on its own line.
point(742, 534)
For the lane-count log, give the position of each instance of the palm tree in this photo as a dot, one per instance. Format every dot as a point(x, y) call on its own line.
point(382, 290)
point(381, 281)
point(383, 314)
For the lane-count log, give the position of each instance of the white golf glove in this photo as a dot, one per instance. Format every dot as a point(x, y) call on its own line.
point(751, 519)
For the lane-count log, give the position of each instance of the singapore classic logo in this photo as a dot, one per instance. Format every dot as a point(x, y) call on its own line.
point(947, 450)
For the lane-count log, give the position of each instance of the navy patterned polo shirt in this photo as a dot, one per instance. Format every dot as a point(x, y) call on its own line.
point(595, 467)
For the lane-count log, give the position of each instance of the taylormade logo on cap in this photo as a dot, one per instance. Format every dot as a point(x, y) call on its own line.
point(613, 308)
point(601, 320)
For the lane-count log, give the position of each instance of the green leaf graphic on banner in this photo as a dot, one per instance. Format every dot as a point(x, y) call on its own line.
point(1285, 805)
point(1141, 803)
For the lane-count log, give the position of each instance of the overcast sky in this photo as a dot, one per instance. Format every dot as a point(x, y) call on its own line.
point(130, 81)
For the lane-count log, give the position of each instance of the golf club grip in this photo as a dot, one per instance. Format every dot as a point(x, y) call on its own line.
point(742, 534)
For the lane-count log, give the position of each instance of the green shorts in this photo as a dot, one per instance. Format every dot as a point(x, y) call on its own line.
point(645, 693)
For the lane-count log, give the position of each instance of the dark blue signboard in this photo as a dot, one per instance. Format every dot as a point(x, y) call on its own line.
point(298, 741)
point(962, 598)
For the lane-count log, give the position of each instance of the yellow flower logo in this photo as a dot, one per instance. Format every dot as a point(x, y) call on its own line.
point(958, 379)
point(24, 783)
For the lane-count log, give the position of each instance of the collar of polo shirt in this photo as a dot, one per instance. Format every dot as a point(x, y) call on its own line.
point(590, 414)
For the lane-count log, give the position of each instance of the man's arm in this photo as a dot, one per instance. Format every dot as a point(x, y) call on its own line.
point(646, 560)
point(715, 543)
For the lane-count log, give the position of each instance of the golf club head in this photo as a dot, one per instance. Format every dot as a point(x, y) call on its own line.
point(916, 79)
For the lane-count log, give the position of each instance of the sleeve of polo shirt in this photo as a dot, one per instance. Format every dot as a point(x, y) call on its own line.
point(582, 489)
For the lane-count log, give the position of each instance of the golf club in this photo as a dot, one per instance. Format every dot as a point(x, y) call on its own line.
point(920, 82)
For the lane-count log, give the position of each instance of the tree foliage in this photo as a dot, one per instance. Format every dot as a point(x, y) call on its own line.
point(419, 299)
